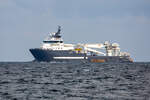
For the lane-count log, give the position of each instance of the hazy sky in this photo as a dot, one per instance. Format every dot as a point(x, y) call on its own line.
point(25, 23)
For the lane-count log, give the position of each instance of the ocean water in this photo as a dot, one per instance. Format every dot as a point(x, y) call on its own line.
point(74, 81)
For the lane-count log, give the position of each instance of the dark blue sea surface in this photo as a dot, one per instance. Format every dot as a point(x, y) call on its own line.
point(74, 81)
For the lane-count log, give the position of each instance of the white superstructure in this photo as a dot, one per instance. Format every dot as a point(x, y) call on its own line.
point(55, 42)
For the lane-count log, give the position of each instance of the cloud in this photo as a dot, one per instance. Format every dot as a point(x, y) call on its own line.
point(96, 8)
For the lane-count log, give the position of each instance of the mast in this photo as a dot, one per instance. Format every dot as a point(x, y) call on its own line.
point(58, 32)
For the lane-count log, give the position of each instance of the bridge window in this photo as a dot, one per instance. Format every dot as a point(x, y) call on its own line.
point(53, 41)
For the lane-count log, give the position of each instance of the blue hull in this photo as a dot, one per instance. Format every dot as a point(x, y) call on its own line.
point(50, 55)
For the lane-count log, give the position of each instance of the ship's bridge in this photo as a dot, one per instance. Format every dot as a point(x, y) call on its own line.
point(54, 37)
point(52, 41)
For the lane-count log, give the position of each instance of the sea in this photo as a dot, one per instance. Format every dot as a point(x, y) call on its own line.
point(74, 81)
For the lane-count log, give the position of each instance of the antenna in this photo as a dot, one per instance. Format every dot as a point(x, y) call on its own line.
point(57, 34)
point(59, 29)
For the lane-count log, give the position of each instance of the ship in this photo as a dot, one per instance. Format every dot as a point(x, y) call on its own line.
point(53, 48)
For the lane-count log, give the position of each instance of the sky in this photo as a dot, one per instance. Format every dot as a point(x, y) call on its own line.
point(25, 23)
